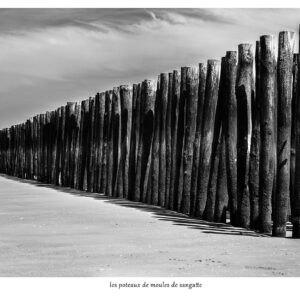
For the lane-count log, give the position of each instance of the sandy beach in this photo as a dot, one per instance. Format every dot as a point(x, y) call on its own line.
point(51, 231)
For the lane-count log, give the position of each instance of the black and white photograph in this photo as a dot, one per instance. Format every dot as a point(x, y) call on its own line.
point(139, 143)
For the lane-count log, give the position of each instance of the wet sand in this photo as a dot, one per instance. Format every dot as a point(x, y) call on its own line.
point(51, 231)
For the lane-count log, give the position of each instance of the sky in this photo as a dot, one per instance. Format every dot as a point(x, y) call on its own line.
point(51, 56)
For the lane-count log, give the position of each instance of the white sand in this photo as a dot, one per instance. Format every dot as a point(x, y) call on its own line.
point(48, 231)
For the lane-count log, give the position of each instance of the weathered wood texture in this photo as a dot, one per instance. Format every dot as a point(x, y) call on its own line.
point(267, 77)
point(209, 110)
point(192, 81)
point(284, 83)
point(197, 140)
point(244, 94)
point(255, 145)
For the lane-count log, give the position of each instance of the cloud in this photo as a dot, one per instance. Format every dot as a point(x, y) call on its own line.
point(50, 56)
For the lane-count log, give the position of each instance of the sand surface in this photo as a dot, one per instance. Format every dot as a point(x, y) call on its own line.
point(50, 231)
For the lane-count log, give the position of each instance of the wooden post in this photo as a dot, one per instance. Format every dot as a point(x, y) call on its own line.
point(222, 190)
point(244, 93)
point(174, 126)
point(99, 131)
point(209, 110)
point(267, 77)
point(116, 134)
point(134, 139)
point(162, 138)
point(197, 141)
point(148, 91)
point(83, 144)
point(72, 144)
point(293, 135)
point(178, 182)
point(296, 199)
point(284, 83)
point(209, 212)
point(154, 177)
point(255, 145)
point(168, 139)
point(192, 81)
point(105, 172)
point(121, 188)
point(91, 147)
point(77, 144)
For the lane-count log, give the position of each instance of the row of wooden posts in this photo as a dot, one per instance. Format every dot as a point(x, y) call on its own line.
point(217, 141)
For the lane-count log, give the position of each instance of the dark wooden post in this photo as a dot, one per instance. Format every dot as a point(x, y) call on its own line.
point(72, 144)
point(174, 126)
point(134, 139)
point(99, 135)
point(162, 138)
point(96, 142)
point(244, 93)
point(168, 139)
point(209, 110)
point(105, 172)
point(77, 145)
point(146, 135)
point(116, 134)
point(121, 188)
point(178, 183)
point(284, 84)
point(83, 144)
point(255, 145)
point(293, 135)
point(192, 81)
point(63, 147)
point(91, 147)
point(209, 213)
point(197, 141)
point(154, 177)
point(267, 77)
point(296, 200)
point(222, 190)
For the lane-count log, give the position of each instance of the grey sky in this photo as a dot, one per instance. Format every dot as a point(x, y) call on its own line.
point(51, 56)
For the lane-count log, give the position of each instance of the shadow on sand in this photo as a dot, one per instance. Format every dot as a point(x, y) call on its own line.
point(160, 213)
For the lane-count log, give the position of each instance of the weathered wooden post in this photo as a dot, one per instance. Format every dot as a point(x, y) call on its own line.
point(162, 138)
point(209, 110)
point(197, 141)
point(296, 200)
point(83, 144)
point(107, 145)
point(72, 144)
point(255, 145)
point(222, 190)
point(168, 139)
point(96, 141)
point(174, 126)
point(99, 136)
point(77, 143)
point(154, 166)
point(267, 77)
point(209, 211)
point(121, 188)
point(91, 147)
point(134, 138)
point(192, 81)
point(116, 135)
point(244, 95)
point(146, 135)
point(178, 183)
point(284, 84)
point(293, 135)
point(58, 145)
